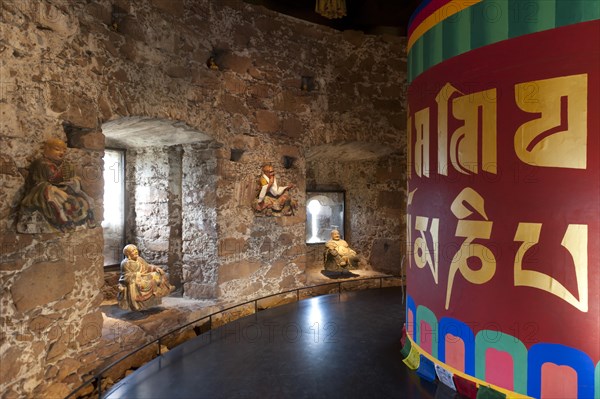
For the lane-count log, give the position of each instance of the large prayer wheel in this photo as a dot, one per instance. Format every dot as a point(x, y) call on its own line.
point(503, 211)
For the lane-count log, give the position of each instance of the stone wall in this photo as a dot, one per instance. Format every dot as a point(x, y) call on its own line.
point(375, 203)
point(149, 196)
point(51, 286)
point(199, 224)
point(79, 64)
point(175, 216)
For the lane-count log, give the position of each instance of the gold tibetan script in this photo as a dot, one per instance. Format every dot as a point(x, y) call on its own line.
point(555, 137)
point(471, 230)
point(575, 241)
point(558, 137)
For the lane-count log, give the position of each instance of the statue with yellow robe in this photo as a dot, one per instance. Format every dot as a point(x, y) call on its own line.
point(338, 255)
point(141, 285)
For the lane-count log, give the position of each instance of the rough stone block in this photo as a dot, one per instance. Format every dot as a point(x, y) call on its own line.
point(39, 324)
point(276, 269)
point(293, 128)
point(389, 171)
point(130, 52)
point(176, 339)
point(285, 239)
point(288, 282)
point(67, 367)
point(235, 63)
point(290, 151)
point(232, 246)
point(42, 283)
point(267, 121)
point(233, 105)
point(56, 20)
point(90, 329)
point(237, 270)
point(58, 99)
point(157, 245)
point(54, 390)
point(9, 124)
point(386, 256)
point(393, 91)
point(100, 12)
point(295, 250)
point(240, 124)
point(130, 26)
point(256, 103)
point(51, 373)
point(233, 84)
point(356, 38)
point(85, 139)
point(177, 71)
point(245, 142)
point(199, 291)
point(81, 112)
point(172, 7)
point(390, 199)
point(10, 366)
point(58, 348)
point(393, 282)
point(288, 102)
point(7, 266)
point(267, 246)
point(299, 218)
point(260, 90)
point(64, 304)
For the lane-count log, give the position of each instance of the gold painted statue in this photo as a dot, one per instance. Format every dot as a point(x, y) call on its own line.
point(54, 200)
point(273, 200)
point(338, 255)
point(141, 285)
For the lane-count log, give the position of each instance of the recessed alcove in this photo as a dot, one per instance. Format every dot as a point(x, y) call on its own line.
point(170, 174)
point(371, 175)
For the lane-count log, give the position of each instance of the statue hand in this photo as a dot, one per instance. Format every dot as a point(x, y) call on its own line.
point(75, 183)
point(59, 193)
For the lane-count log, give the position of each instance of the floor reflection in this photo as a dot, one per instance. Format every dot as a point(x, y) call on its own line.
point(331, 346)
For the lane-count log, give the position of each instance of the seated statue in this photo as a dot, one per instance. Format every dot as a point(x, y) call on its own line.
point(273, 200)
point(54, 200)
point(141, 285)
point(338, 255)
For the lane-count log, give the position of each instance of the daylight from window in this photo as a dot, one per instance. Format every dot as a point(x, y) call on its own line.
point(114, 209)
point(314, 207)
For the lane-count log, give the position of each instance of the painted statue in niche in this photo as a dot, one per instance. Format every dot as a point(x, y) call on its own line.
point(54, 200)
point(272, 199)
point(338, 255)
point(141, 285)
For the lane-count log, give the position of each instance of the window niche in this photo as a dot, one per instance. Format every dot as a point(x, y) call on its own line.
point(324, 213)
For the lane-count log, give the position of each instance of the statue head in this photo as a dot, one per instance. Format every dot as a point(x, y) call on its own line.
point(130, 251)
point(268, 170)
point(335, 235)
point(55, 149)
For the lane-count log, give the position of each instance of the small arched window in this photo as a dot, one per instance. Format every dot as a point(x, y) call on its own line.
point(324, 212)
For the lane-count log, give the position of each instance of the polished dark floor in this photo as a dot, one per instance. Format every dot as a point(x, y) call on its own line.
point(333, 346)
